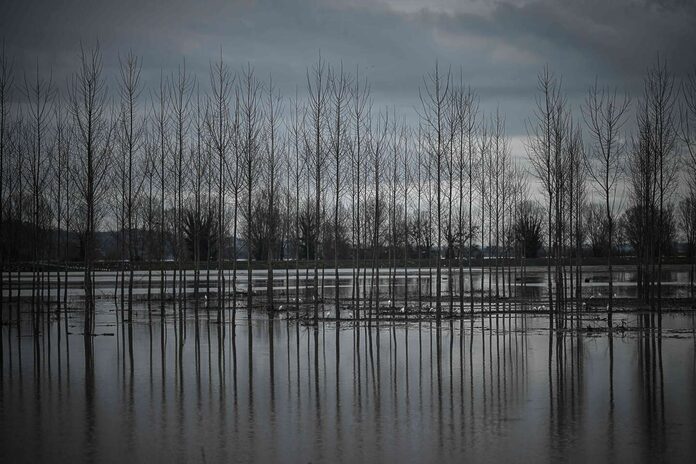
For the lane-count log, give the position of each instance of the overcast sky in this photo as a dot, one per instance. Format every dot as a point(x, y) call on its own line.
point(499, 46)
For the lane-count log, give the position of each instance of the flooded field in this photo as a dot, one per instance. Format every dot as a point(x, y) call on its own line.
point(272, 389)
point(528, 283)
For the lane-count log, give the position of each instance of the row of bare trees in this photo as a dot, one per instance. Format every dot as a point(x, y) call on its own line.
point(593, 169)
point(177, 172)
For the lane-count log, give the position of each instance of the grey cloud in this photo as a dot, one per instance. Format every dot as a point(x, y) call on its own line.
point(500, 46)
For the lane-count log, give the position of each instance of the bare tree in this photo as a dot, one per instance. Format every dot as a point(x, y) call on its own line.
point(544, 142)
point(604, 116)
point(318, 89)
point(463, 107)
point(150, 171)
point(131, 136)
point(273, 110)
point(197, 222)
point(251, 125)
point(406, 166)
point(360, 97)
point(485, 142)
point(642, 186)
point(160, 120)
point(575, 197)
point(434, 97)
point(420, 186)
point(499, 159)
point(659, 122)
point(61, 176)
point(93, 144)
point(687, 134)
point(296, 131)
point(469, 126)
point(6, 83)
point(221, 133)
point(40, 94)
point(181, 87)
point(377, 141)
point(235, 177)
point(339, 88)
point(451, 123)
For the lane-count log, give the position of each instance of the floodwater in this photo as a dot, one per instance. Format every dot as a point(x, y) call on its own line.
point(530, 282)
point(494, 389)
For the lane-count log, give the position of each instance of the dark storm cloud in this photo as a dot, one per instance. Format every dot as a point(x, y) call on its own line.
point(499, 46)
point(282, 37)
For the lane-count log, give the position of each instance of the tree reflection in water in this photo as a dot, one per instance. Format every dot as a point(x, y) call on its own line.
point(500, 387)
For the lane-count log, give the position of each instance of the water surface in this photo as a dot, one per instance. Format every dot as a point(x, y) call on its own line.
point(276, 390)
